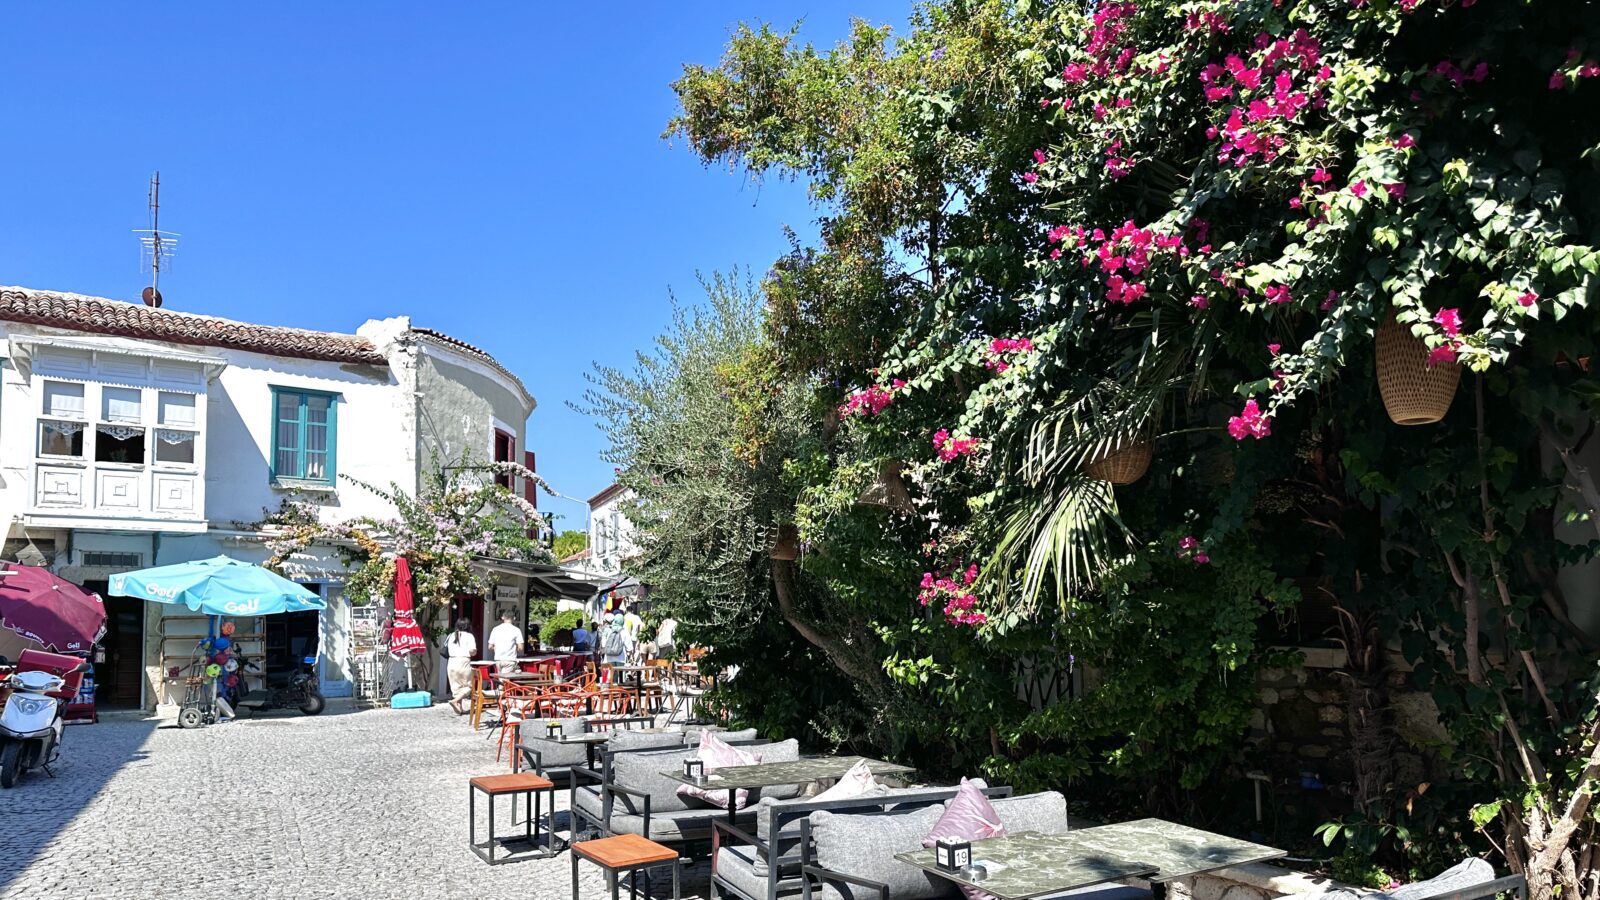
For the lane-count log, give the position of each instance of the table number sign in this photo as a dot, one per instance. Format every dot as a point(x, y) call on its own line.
point(952, 854)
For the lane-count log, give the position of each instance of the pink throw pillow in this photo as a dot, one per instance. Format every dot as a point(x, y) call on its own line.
point(717, 754)
point(969, 816)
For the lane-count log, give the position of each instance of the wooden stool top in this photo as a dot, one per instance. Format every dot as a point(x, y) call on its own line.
point(624, 851)
point(511, 783)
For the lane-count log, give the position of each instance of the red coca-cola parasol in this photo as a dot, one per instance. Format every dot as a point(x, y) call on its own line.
point(407, 637)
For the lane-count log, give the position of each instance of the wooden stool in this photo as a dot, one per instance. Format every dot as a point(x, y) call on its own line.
point(526, 784)
point(624, 852)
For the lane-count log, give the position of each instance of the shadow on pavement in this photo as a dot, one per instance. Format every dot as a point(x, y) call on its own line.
point(39, 807)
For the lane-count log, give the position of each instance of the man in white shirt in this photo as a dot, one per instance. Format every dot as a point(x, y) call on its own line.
point(505, 642)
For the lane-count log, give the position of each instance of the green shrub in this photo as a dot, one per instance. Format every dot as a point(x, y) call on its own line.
point(556, 624)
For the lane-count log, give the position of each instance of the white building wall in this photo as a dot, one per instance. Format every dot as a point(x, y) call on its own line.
point(378, 439)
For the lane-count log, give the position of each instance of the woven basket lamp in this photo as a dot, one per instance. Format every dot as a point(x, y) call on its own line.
point(787, 545)
point(1414, 393)
point(1125, 465)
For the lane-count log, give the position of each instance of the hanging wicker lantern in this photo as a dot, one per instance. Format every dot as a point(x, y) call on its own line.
point(889, 491)
point(1124, 465)
point(788, 544)
point(1414, 392)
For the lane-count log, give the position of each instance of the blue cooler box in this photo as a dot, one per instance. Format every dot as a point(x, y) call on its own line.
point(411, 700)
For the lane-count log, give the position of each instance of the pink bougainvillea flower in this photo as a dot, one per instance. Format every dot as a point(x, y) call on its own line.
point(1359, 188)
point(1558, 80)
point(1449, 321)
point(1333, 297)
point(1039, 157)
point(1278, 294)
point(1200, 558)
point(1296, 203)
point(1274, 348)
point(1404, 141)
point(1442, 354)
point(1189, 543)
point(1199, 301)
point(1250, 423)
point(1321, 176)
point(1396, 189)
point(1528, 299)
point(1030, 177)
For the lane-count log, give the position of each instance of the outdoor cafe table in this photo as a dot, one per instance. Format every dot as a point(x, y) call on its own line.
point(1031, 864)
point(799, 771)
point(636, 682)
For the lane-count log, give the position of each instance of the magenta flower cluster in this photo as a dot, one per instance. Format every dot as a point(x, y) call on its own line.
point(1189, 548)
point(1250, 422)
point(1459, 75)
point(871, 401)
point(1449, 322)
point(1281, 79)
point(1588, 68)
point(949, 448)
point(1123, 255)
point(1004, 352)
point(954, 593)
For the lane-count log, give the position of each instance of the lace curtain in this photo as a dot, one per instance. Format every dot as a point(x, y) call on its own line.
point(120, 432)
point(168, 436)
point(66, 429)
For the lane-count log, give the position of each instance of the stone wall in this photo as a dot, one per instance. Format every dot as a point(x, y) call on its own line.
point(1301, 724)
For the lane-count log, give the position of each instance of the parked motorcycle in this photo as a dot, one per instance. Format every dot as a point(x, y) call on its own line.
point(295, 689)
point(32, 723)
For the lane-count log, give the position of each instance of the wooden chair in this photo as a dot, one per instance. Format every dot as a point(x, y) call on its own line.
point(485, 691)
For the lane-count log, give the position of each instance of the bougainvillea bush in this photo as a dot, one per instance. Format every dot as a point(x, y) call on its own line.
point(1058, 240)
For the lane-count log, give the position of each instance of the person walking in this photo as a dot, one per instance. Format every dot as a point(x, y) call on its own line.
point(459, 650)
point(582, 640)
point(505, 641)
point(613, 645)
point(632, 628)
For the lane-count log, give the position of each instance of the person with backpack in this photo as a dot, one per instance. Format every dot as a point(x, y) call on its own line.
point(613, 644)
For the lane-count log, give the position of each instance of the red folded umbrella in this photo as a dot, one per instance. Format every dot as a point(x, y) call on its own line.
point(406, 637)
point(52, 611)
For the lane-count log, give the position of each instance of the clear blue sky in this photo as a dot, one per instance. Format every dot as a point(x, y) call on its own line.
point(493, 170)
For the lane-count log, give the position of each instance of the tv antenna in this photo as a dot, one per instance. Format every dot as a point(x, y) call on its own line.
point(156, 247)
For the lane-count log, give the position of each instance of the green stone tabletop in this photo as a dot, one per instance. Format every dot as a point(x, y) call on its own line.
point(1031, 864)
point(800, 771)
point(1177, 851)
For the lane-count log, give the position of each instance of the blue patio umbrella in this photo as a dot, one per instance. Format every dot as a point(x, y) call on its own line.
point(220, 586)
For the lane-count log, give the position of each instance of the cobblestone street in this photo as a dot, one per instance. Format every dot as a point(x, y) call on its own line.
point(349, 804)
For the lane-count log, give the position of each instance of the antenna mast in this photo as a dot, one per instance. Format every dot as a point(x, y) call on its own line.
point(156, 246)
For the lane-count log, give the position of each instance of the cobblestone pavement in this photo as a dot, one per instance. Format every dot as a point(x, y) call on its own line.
point(350, 804)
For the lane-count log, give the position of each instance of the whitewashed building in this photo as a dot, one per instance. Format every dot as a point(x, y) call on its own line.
point(133, 437)
point(611, 532)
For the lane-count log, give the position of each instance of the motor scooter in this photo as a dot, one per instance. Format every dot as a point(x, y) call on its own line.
point(31, 724)
point(294, 689)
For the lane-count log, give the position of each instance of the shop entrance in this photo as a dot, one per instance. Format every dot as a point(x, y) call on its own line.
point(468, 607)
point(120, 676)
point(290, 637)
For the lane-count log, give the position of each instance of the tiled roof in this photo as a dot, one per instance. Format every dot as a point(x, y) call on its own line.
point(471, 350)
point(98, 315)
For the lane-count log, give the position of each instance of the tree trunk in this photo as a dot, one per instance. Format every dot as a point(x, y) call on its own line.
point(854, 664)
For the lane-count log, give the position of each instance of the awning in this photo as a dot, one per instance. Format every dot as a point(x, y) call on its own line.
point(547, 580)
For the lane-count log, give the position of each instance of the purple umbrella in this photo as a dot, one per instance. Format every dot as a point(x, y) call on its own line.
point(50, 610)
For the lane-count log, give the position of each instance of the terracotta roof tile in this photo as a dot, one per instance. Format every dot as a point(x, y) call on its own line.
point(479, 352)
point(98, 315)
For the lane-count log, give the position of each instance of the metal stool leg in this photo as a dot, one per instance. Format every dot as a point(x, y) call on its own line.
point(574, 876)
point(676, 865)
